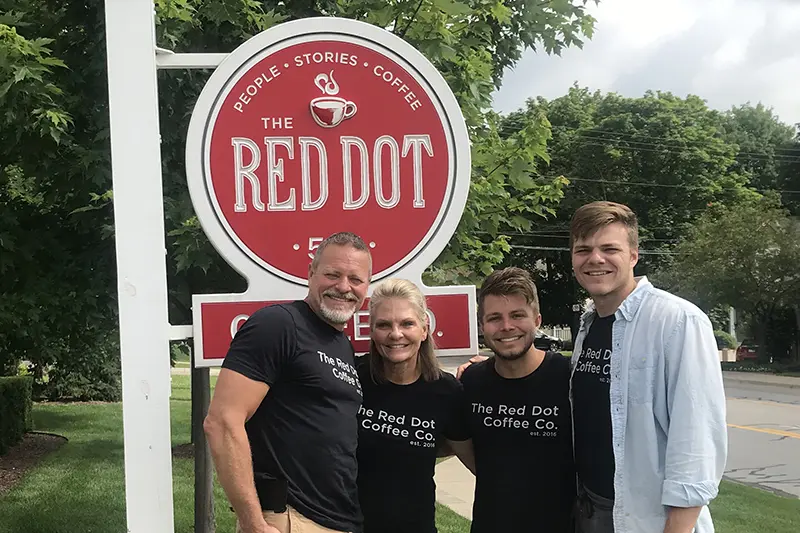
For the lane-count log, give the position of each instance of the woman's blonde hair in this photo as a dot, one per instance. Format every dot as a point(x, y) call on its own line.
point(402, 289)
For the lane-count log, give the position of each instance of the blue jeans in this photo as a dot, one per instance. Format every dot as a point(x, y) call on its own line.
point(593, 513)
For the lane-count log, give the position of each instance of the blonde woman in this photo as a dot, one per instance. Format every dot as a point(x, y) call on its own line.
point(411, 411)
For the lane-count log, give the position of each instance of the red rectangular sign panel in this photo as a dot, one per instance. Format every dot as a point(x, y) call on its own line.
point(451, 317)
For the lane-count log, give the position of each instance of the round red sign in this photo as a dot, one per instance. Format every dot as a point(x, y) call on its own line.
point(320, 133)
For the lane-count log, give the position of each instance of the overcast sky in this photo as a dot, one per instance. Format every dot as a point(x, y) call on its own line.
point(728, 52)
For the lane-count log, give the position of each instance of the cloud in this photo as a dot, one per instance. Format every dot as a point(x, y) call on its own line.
point(728, 52)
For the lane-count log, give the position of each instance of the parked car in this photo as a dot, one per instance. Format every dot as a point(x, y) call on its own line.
point(747, 350)
point(548, 342)
point(542, 341)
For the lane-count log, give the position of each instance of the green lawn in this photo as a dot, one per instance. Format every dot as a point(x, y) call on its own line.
point(741, 509)
point(80, 488)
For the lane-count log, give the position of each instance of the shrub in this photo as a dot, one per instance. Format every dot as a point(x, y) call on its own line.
point(725, 340)
point(93, 375)
point(15, 410)
point(8, 363)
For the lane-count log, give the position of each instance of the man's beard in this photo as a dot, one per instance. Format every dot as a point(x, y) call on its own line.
point(513, 356)
point(337, 316)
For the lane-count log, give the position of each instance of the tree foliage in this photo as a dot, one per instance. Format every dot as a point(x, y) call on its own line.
point(56, 262)
point(744, 256)
point(669, 158)
point(58, 291)
point(769, 151)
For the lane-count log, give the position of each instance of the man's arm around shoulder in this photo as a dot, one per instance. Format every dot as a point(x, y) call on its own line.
point(697, 441)
point(236, 398)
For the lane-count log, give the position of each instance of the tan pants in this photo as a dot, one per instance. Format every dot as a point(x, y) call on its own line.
point(291, 521)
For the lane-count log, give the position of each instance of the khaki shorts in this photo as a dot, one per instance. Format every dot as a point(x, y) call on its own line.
point(291, 521)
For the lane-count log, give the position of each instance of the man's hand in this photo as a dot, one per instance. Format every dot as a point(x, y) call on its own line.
point(475, 359)
point(259, 527)
point(269, 529)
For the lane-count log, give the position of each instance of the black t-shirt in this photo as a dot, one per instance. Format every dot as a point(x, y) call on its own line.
point(521, 431)
point(305, 430)
point(591, 381)
point(400, 428)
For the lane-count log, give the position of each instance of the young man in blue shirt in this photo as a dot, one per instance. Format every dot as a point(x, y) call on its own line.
point(647, 397)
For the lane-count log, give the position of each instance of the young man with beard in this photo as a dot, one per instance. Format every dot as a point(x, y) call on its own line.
point(647, 395)
point(518, 416)
point(282, 426)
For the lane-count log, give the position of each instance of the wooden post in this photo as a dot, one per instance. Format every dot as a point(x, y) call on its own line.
point(203, 466)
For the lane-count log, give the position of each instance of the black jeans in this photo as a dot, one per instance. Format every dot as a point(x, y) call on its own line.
point(593, 513)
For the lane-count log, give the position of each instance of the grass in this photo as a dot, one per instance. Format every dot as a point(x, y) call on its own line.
point(80, 488)
point(780, 369)
point(448, 521)
point(742, 509)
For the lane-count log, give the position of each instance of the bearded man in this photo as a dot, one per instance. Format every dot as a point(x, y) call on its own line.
point(282, 426)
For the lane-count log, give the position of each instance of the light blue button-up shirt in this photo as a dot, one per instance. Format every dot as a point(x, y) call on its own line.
point(667, 409)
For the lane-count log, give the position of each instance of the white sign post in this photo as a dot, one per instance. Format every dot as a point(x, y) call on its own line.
point(141, 264)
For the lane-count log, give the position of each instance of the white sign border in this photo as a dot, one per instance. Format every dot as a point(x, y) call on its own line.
point(458, 181)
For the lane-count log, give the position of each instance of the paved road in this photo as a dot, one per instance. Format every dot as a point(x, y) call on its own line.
point(764, 435)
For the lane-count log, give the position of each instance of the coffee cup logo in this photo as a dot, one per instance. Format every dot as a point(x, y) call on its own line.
point(330, 110)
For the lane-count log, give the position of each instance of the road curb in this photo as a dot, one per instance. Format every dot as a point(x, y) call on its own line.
point(763, 383)
point(759, 486)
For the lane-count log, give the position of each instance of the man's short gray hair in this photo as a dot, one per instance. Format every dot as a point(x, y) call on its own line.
point(343, 238)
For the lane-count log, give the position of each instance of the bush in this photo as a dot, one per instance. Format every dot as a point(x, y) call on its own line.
point(89, 376)
point(15, 410)
point(725, 340)
point(8, 363)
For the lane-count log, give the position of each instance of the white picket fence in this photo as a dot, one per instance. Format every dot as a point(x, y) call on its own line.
point(561, 332)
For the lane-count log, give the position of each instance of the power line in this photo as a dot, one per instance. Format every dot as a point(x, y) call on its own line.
point(671, 141)
point(588, 141)
point(559, 235)
point(565, 249)
point(678, 143)
point(675, 149)
point(670, 185)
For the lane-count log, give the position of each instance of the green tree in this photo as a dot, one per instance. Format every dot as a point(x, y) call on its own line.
point(664, 156)
point(768, 151)
point(56, 268)
point(58, 290)
point(744, 256)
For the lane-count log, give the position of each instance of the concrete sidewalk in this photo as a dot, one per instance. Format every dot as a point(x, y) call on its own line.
point(455, 486)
